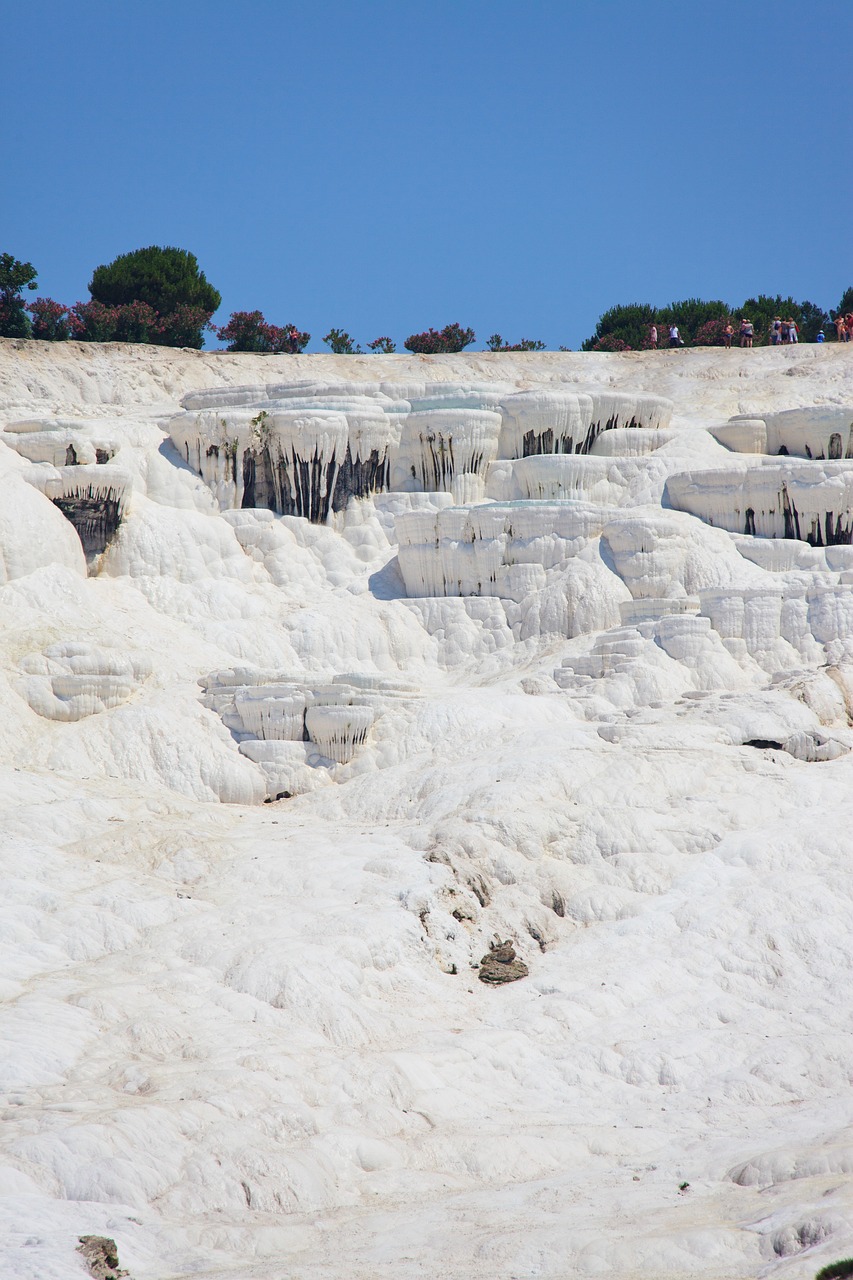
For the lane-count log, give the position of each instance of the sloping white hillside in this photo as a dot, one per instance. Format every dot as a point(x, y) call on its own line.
point(596, 701)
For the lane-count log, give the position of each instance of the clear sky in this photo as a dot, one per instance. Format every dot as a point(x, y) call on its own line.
point(384, 166)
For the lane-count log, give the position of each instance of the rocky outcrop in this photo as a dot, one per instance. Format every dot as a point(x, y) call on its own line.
point(101, 1257)
point(500, 964)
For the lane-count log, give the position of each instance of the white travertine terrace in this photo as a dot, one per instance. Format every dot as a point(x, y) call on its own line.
point(248, 1038)
point(63, 441)
point(70, 681)
point(792, 498)
point(309, 448)
point(821, 431)
point(328, 719)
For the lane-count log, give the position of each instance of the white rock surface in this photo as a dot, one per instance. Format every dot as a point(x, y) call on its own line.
point(248, 1039)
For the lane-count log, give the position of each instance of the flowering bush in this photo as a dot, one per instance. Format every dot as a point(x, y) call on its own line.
point(711, 333)
point(383, 346)
point(496, 343)
point(440, 341)
point(249, 331)
point(136, 322)
point(50, 320)
point(183, 327)
point(245, 331)
point(611, 343)
point(92, 322)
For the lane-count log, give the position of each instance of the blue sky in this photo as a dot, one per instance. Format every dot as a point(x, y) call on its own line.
point(385, 166)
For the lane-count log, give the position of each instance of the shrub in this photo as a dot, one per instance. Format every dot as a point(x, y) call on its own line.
point(496, 343)
point(92, 322)
point(711, 333)
point(610, 342)
point(383, 346)
point(341, 343)
point(812, 319)
point(629, 324)
point(50, 320)
point(689, 316)
point(15, 276)
point(836, 1270)
point(452, 338)
point(183, 327)
point(245, 331)
point(136, 322)
point(249, 331)
point(296, 340)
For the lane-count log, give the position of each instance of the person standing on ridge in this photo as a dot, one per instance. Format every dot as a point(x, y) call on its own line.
point(674, 338)
point(747, 332)
point(653, 337)
point(728, 334)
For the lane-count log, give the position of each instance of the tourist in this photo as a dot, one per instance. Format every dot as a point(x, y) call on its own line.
point(848, 325)
point(839, 327)
point(820, 337)
point(674, 337)
point(653, 336)
point(793, 330)
point(728, 334)
point(777, 331)
point(782, 334)
point(747, 332)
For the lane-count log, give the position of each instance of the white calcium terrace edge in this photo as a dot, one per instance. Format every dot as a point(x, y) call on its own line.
point(248, 1039)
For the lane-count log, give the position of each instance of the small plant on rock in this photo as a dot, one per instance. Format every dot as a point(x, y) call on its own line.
point(341, 343)
point(496, 343)
point(382, 346)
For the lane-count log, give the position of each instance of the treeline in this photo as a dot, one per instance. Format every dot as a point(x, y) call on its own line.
point(151, 295)
point(702, 324)
point(159, 295)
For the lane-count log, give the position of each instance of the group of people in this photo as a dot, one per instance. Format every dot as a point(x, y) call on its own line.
point(675, 338)
point(781, 332)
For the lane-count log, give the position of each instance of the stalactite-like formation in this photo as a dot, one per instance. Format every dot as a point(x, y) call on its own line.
point(809, 501)
point(309, 448)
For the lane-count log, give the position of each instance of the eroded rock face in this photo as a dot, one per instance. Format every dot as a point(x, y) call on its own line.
point(92, 497)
